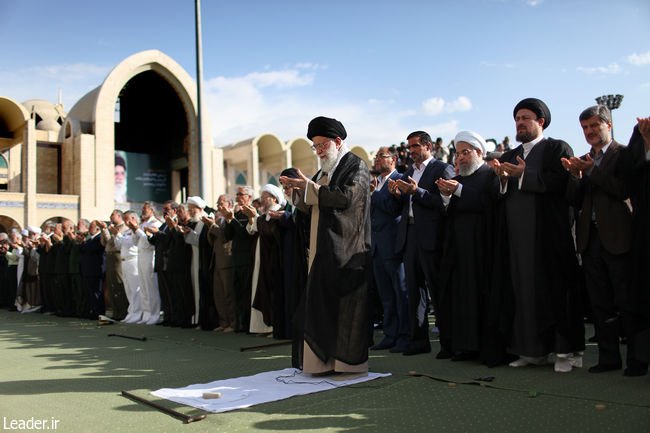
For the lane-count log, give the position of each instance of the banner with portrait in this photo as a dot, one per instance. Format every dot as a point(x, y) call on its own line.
point(141, 177)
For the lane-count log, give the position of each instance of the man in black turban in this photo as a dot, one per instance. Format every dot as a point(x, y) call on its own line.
point(326, 127)
point(538, 107)
point(337, 198)
point(538, 255)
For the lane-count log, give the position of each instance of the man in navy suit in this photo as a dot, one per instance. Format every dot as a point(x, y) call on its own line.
point(385, 215)
point(604, 239)
point(91, 261)
point(420, 239)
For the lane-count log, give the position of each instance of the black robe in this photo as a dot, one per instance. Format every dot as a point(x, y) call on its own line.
point(336, 306)
point(269, 296)
point(208, 319)
point(638, 184)
point(465, 267)
point(553, 309)
point(295, 263)
point(178, 267)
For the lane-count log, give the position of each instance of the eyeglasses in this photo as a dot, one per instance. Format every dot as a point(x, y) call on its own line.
point(241, 193)
point(320, 146)
point(383, 156)
point(465, 152)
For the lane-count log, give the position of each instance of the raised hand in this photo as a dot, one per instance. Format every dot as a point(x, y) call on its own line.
point(514, 170)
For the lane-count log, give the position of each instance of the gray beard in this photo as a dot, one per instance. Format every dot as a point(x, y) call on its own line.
point(469, 170)
point(195, 218)
point(329, 162)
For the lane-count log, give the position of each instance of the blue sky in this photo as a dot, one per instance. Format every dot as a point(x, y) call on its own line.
point(384, 68)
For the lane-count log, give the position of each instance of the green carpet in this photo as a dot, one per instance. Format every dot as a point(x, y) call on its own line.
point(71, 371)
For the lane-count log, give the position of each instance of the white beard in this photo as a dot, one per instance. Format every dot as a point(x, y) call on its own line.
point(473, 166)
point(195, 218)
point(328, 163)
point(120, 192)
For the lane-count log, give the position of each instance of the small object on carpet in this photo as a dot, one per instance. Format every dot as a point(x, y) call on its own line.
point(130, 337)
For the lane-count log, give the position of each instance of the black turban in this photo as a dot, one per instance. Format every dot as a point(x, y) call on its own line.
point(119, 160)
point(536, 106)
point(290, 172)
point(326, 127)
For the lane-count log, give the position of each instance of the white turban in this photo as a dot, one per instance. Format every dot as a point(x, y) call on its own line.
point(196, 201)
point(276, 192)
point(25, 233)
point(471, 138)
point(33, 229)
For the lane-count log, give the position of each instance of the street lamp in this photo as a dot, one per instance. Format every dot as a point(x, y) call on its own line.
point(612, 102)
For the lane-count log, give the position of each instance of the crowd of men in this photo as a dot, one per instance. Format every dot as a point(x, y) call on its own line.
point(510, 253)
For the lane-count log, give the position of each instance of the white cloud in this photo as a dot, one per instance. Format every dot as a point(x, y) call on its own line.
point(534, 2)
point(309, 65)
point(497, 65)
point(435, 106)
point(639, 59)
point(244, 107)
point(612, 68)
point(280, 79)
point(461, 104)
point(443, 129)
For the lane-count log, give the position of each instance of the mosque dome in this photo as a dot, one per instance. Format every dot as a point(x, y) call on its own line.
point(48, 116)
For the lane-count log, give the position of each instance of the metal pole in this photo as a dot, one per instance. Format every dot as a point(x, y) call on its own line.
point(199, 84)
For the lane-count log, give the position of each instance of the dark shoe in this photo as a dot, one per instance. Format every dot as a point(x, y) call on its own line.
point(383, 345)
point(399, 348)
point(635, 371)
point(602, 368)
point(417, 348)
point(444, 354)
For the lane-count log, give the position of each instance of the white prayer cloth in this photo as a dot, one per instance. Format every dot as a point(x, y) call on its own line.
point(243, 392)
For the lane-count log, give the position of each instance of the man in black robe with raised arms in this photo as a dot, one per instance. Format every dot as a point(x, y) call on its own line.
point(465, 269)
point(542, 265)
point(336, 306)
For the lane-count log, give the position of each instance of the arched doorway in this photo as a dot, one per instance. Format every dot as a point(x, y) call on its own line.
point(151, 134)
point(7, 223)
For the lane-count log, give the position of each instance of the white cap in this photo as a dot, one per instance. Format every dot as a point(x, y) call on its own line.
point(471, 138)
point(196, 201)
point(276, 192)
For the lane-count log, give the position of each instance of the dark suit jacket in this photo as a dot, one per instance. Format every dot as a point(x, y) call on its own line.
point(92, 257)
point(603, 190)
point(243, 245)
point(385, 215)
point(160, 240)
point(428, 209)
